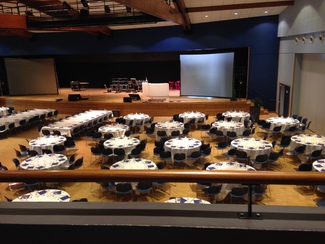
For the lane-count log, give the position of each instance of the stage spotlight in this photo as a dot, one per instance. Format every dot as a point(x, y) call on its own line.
point(67, 5)
point(107, 9)
point(128, 9)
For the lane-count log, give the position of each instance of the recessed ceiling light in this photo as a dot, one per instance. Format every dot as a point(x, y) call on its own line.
point(206, 16)
point(235, 13)
point(265, 12)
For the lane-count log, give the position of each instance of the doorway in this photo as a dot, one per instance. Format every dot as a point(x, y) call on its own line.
point(284, 100)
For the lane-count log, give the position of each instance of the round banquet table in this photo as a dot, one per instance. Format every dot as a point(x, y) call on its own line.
point(312, 142)
point(169, 126)
point(236, 115)
point(125, 142)
point(284, 122)
point(319, 165)
point(226, 188)
point(134, 163)
point(252, 146)
point(182, 145)
point(46, 142)
point(137, 118)
point(117, 130)
point(226, 126)
point(3, 111)
point(46, 195)
point(188, 116)
point(187, 200)
point(45, 161)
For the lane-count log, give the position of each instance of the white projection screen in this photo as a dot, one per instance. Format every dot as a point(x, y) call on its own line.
point(31, 76)
point(207, 74)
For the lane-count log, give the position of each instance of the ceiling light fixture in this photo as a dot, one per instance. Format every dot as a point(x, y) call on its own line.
point(303, 40)
point(266, 12)
point(297, 40)
point(311, 39)
point(321, 37)
point(235, 13)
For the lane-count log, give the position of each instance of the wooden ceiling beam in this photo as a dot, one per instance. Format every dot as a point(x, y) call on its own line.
point(95, 31)
point(180, 6)
point(239, 6)
point(156, 8)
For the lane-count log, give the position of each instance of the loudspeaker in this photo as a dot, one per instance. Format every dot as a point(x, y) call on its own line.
point(74, 97)
point(127, 99)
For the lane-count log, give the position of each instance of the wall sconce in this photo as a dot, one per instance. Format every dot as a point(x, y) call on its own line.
point(321, 37)
point(303, 40)
point(297, 40)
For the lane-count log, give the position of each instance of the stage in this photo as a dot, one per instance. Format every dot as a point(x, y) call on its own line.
point(95, 98)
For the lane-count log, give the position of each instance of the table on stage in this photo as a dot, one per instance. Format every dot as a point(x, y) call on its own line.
point(117, 130)
point(226, 188)
point(182, 145)
point(226, 126)
point(192, 200)
point(252, 146)
point(236, 115)
point(46, 142)
point(46, 195)
point(312, 142)
point(125, 142)
point(169, 126)
point(188, 116)
point(45, 161)
point(284, 122)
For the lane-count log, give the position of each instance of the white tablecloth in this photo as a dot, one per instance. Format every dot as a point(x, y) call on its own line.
point(188, 116)
point(226, 188)
point(134, 163)
point(312, 142)
point(169, 126)
point(236, 115)
point(285, 123)
point(182, 145)
point(3, 111)
point(252, 146)
point(67, 125)
point(136, 118)
point(46, 142)
point(46, 195)
point(225, 126)
point(187, 200)
point(127, 143)
point(45, 161)
point(319, 165)
point(117, 130)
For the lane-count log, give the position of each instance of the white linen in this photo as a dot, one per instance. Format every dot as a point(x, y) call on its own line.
point(46, 142)
point(182, 145)
point(319, 165)
point(136, 118)
point(284, 122)
point(3, 111)
point(226, 126)
point(46, 195)
point(125, 142)
point(67, 125)
point(226, 188)
point(236, 115)
point(252, 146)
point(45, 161)
point(187, 200)
point(134, 163)
point(169, 126)
point(312, 142)
point(187, 116)
point(117, 130)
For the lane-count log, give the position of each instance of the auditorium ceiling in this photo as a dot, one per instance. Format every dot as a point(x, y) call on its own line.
point(25, 18)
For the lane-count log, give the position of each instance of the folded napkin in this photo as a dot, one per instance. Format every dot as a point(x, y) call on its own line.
point(211, 167)
point(65, 197)
point(197, 201)
point(151, 166)
point(182, 200)
point(42, 192)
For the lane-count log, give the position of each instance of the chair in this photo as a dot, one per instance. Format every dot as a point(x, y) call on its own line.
point(238, 193)
point(274, 156)
point(150, 132)
point(185, 132)
point(304, 167)
point(161, 134)
point(175, 134)
point(56, 132)
point(299, 118)
point(206, 152)
point(231, 153)
point(220, 135)
point(135, 153)
point(275, 131)
point(21, 155)
point(157, 151)
point(165, 155)
point(72, 158)
point(212, 191)
point(83, 199)
point(205, 128)
point(179, 158)
point(23, 148)
point(96, 152)
point(241, 156)
point(46, 151)
point(69, 144)
point(144, 188)
point(290, 131)
point(119, 154)
point(295, 116)
point(231, 135)
point(96, 136)
point(222, 145)
point(4, 131)
point(2, 167)
point(246, 133)
point(16, 162)
point(46, 132)
point(59, 149)
point(77, 164)
point(32, 153)
point(299, 150)
point(123, 189)
point(108, 136)
point(316, 154)
point(32, 185)
point(259, 161)
point(194, 156)
point(258, 191)
point(107, 155)
point(285, 141)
